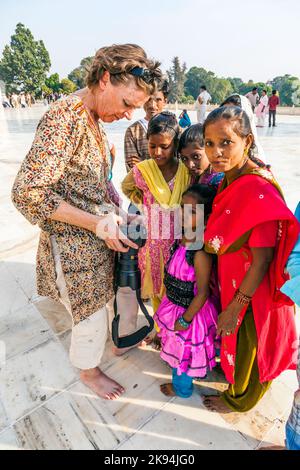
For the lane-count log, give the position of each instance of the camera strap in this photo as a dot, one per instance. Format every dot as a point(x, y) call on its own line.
point(137, 336)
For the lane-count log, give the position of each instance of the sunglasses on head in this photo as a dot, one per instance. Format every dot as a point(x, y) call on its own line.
point(145, 74)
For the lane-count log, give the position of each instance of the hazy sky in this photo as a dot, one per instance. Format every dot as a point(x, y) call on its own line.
point(256, 39)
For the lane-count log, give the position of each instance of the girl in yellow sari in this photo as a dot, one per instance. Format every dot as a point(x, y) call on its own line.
point(156, 186)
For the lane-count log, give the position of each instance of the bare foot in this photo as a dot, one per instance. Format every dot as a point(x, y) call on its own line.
point(121, 351)
point(101, 384)
point(155, 341)
point(148, 340)
point(167, 389)
point(214, 403)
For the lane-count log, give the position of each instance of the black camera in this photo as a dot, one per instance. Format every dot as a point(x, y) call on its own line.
point(127, 274)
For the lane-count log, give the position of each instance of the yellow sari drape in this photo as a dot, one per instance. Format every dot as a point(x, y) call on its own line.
point(167, 199)
point(158, 185)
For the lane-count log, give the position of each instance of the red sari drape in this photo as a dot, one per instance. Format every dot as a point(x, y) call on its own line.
point(247, 202)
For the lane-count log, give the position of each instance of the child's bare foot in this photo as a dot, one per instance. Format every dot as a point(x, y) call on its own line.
point(155, 341)
point(148, 340)
point(215, 403)
point(167, 389)
point(121, 351)
point(101, 384)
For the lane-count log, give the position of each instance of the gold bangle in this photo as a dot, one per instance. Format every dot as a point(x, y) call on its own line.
point(241, 298)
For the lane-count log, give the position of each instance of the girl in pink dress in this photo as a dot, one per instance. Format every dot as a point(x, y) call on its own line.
point(187, 315)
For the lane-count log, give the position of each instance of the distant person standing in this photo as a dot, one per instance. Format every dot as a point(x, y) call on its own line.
point(253, 97)
point(5, 101)
point(201, 104)
point(28, 99)
point(22, 99)
point(273, 103)
point(14, 100)
point(261, 109)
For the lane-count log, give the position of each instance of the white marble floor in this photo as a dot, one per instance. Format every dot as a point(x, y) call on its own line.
point(42, 403)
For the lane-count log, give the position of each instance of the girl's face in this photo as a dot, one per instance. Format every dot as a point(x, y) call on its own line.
point(195, 159)
point(161, 148)
point(224, 148)
point(192, 213)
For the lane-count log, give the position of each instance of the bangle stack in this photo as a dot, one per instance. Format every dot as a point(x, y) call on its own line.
point(185, 324)
point(241, 298)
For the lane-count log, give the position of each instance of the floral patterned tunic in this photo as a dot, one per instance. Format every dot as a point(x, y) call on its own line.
point(68, 161)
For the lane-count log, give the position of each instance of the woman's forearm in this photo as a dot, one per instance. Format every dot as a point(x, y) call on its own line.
point(254, 277)
point(72, 215)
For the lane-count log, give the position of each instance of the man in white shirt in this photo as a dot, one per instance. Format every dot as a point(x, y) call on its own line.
point(253, 97)
point(201, 104)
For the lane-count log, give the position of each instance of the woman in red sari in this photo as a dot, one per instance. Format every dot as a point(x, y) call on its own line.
point(253, 232)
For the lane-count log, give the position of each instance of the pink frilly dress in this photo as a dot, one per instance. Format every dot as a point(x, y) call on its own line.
point(192, 351)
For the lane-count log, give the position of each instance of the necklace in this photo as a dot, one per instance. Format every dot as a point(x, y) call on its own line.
point(99, 135)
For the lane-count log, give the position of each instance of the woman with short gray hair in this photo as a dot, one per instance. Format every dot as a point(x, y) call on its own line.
point(63, 186)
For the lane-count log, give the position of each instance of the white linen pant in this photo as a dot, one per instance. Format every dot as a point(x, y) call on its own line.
point(201, 112)
point(261, 120)
point(89, 336)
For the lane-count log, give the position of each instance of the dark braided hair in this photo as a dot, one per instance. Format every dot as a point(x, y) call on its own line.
point(162, 123)
point(234, 100)
point(204, 194)
point(192, 135)
point(241, 126)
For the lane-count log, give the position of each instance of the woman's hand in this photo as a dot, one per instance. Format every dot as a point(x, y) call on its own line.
point(108, 230)
point(262, 257)
point(136, 219)
point(228, 319)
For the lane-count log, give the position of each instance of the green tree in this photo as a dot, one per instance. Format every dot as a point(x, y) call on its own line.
point(53, 82)
point(246, 87)
point(296, 92)
point(67, 86)
point(46, 90)
point(176, 75)
point(288, 88)
point(236, 84)
point(278, 82)
point(187, 99)
point(78, 75)
point(196, 77)
point(219, 88)
point(25, 62)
